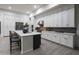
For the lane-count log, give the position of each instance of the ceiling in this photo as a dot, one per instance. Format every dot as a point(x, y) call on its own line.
point(24, 8)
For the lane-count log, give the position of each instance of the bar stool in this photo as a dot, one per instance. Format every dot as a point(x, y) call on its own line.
point(14, 40)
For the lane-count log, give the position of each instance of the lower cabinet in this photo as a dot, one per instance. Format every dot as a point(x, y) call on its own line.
point(57, 38)
point(69, 41)
point(36, 41)
point(61, 38)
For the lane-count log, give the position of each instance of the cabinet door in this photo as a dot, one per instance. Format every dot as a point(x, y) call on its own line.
point(52, 23)
point(36, 41)
point(56, 38)
point(53, 38)
point(46, 36)
point(71, 18)
point(69, 41)
point(45, 22)
point(59, 20)
point(63, 39)
point(64, 18)
point(55, 20)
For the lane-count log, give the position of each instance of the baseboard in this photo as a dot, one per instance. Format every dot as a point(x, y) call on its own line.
point(76, 48)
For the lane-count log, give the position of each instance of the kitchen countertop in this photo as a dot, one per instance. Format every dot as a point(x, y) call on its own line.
point(54, 32)
point(19, 32)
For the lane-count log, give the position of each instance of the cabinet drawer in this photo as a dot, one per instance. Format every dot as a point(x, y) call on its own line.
point(56, 38)
point(69, 41)
point(63, 40)
point(53, 38)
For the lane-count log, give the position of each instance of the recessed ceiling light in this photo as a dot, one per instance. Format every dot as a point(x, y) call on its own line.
point(35, 6)
point(9, 7)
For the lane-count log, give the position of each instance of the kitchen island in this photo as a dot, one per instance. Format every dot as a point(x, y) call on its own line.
point(29, 41)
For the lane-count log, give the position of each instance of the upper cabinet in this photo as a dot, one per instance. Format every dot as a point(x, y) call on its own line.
point(64, 18)
point(68, 18)
point(46, 21)
point(71, 18)
point(60, 17)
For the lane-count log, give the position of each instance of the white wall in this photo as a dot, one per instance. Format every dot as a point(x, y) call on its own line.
point(8, 20)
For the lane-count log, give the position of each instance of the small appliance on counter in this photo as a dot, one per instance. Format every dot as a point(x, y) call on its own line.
point(25, 28)
point(40, 26)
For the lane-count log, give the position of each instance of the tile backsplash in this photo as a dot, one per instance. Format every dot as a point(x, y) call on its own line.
point(61, 29)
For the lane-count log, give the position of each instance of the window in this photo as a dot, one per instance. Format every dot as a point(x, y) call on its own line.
point(19, 26)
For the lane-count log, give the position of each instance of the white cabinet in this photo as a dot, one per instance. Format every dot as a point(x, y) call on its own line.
point(52, 22)
point(53, 38)
point(61, 38)
point(59, 20)
point(64, 17)
point(69, 41)
point(68, 18)
point(56, 38)
point(60, 17)
point(71, 18)
point(46, 22)
point(55, 20)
